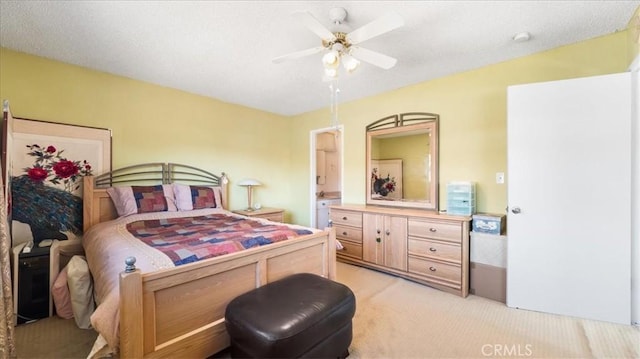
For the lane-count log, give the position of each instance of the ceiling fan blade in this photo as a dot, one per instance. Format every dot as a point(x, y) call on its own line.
point(314, 25)
point(298, 54)
point(376, 27)
point(374, 58)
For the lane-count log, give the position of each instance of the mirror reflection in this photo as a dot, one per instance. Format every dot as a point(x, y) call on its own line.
point(402, 161)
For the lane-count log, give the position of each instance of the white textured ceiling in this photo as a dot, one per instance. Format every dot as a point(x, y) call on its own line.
point(223, 49)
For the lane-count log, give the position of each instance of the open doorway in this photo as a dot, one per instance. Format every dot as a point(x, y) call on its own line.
point(326, 156)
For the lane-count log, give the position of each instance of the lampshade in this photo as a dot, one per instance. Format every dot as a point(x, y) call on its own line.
point(249, 182)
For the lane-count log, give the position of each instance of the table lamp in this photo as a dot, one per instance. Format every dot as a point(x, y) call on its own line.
point(249, 183)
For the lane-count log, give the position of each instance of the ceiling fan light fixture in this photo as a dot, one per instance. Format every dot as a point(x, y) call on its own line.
point(339, 42)
point(350, 63)
point(331, 59)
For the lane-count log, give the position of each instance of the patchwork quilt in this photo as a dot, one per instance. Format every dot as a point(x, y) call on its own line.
point(190, 239)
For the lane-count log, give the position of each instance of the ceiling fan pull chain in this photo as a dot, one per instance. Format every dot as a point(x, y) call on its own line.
point(334, 102)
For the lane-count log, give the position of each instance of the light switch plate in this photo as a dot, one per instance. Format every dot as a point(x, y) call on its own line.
point(500, 177)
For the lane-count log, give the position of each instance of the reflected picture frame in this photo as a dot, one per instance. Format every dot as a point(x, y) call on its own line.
point(386, 179)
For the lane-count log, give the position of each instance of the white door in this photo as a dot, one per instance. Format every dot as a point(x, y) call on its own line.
point(569, 168)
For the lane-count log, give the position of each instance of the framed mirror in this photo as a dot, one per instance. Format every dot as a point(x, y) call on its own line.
point(402, 161)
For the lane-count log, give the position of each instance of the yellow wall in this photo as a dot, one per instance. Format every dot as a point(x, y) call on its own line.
point(633, 36)
point(153, 123)
point(473, 117)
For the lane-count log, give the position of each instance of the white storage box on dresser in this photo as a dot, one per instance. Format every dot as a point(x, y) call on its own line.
point(422, 246)
point(461, 198)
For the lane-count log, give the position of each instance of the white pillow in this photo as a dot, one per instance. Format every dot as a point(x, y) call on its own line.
point(81, 291)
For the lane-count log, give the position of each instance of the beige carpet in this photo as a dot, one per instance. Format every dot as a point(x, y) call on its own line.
point(53, 337)
point(396, 318)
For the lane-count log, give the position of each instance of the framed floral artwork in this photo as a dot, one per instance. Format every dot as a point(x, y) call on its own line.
point(48, 161)
point(386, 179)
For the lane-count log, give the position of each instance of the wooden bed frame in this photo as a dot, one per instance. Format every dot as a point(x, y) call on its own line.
point(179, 312)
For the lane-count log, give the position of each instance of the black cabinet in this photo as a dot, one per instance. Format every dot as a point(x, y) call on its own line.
point(33, 285)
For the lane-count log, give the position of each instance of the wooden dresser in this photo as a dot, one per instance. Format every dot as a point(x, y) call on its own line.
point(426, 247)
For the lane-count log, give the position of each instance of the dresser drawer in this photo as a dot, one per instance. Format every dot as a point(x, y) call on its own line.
point(451, 232)
point(347, 218)
point(350, 233)
point(439, 250)
point(449, 272)
point(350, 250)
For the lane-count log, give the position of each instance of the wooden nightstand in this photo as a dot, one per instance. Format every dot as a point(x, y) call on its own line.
point(272, 214)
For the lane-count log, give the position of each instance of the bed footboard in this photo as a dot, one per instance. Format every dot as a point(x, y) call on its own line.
point(179, 312)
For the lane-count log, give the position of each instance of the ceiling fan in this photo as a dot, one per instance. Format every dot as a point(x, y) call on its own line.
point(342, 47)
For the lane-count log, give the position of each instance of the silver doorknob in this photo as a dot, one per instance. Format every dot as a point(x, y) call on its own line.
point(515, 210)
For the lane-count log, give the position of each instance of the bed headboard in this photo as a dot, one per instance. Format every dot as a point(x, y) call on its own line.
point(98, 207)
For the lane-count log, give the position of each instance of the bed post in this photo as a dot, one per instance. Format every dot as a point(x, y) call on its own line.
point(131, 321)
point(87, 202)
point(332, 253)
point(224, 181)
point(97, 206)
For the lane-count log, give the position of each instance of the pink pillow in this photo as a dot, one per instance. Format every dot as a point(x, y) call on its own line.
point(61, 296)
point(142, 199)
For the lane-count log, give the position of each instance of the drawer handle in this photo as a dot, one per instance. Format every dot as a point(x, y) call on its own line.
point(344, 218)
point(387, 232)
point(432, 269)
point(432, 230)
point(432, 249)
point(378, 239)
point(378, 231)
point(344, 233)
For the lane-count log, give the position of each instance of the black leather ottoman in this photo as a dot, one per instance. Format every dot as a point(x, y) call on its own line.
point(303, 315)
